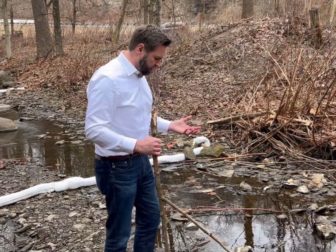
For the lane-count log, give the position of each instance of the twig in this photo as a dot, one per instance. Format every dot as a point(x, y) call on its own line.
point(197, 224)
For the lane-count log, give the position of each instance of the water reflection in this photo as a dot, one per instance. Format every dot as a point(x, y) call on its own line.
point(261, 229)
point(69, 159)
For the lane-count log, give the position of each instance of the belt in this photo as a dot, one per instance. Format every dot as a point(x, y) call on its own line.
point(118, 158)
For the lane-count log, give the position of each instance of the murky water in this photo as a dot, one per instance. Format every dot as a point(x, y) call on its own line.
point(36, 141)
point(188, 188)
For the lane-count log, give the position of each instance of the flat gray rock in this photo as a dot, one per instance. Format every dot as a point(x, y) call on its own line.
point(7, 125)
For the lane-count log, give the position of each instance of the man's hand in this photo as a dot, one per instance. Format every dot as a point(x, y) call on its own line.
point(181, 126)
point(149, 146)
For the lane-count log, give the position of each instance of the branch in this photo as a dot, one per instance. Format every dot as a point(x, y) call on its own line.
point(237, 118)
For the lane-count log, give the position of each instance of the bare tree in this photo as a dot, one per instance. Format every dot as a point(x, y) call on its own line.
point(155, 12)
point(332, 11)
point(11, 16)
point(74, 16)
point(116, 33)
point(44, 43)
point(6, 28)
point(145, 5)
point(248, 8)
point(57, 27)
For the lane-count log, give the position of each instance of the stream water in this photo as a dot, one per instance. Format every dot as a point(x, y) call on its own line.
point(261, 229)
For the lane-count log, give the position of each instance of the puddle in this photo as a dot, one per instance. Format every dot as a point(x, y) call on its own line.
point(26, 143)
point(260, 229)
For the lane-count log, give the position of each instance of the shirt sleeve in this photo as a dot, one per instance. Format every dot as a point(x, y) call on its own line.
point(100, 111)
point(163, 125)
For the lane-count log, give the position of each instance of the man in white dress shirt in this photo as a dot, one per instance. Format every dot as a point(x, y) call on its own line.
point(118, 122)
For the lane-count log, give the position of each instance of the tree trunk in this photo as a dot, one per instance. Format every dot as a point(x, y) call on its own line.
point(248, 8)
point(332, 11)
point(74, 16)
point(116, 33)
point(316, 28)
point(155, 12)
point(277, 7)
point(6, 28)
point(57, 27)
point(145, 11)
point(44, 43)
point(11, 15)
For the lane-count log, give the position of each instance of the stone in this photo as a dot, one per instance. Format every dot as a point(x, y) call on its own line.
point(79, 227)
point(4, 77)
point(7, 125)
point(282, 217)
point(291, 184)
point(189, 154)
point(4, 107)
point(61, 142)
point(226, 173)
point(303, 189)
point(191, 227)
point(324, 228)
point(245, 186)
point(212, 151)
point(317, 180)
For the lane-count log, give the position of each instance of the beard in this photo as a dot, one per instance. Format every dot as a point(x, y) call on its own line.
point(144, 69)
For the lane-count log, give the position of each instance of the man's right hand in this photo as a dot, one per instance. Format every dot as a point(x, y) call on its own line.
point(149, 146)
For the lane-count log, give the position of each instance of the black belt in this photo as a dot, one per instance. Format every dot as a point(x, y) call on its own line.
point(118, 158)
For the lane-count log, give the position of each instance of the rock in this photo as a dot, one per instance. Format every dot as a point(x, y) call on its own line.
point(191, 227)
point(51, 217)
point(243, 249)
point(245, 186)
point(79, 227)
point(226, 173)
point(72, 214)
point(213, 151)
point(313, 207)
point(61, 142)
point(8, 84)
point(282, 217)
point(189, 154)
point(4, 107)
point(180, 143)
point(324, 228)
point(76, 142)
point(291, 184)
point(4, 77)
point(7, 125)
point(317, 180)
point(303, 189)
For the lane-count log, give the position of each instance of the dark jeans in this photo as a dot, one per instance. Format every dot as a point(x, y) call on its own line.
point(126, 184)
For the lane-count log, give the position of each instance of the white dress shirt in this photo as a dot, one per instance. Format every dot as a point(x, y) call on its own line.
point(119, 108)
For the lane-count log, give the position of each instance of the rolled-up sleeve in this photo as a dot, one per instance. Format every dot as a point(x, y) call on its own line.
point(101, 108)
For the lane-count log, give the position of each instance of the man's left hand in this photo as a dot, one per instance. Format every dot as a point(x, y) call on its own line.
point(181, 126)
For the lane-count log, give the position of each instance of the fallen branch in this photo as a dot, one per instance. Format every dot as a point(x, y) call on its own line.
point(196, 223)
point(237, 118)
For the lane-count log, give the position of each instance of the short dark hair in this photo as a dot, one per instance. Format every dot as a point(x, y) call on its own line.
point(151, 36)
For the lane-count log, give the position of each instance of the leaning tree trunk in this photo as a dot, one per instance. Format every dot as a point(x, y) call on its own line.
point(57, 28)
point(248, 8)
point(44, 44)
point(117, 31)
point(6, 28)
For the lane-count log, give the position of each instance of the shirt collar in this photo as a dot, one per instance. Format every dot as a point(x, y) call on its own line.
point(128, 66)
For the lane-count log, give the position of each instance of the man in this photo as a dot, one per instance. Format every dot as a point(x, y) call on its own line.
point(118, 122)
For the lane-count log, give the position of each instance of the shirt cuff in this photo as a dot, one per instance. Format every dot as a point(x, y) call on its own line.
point(128, 144)
point(163, 125)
